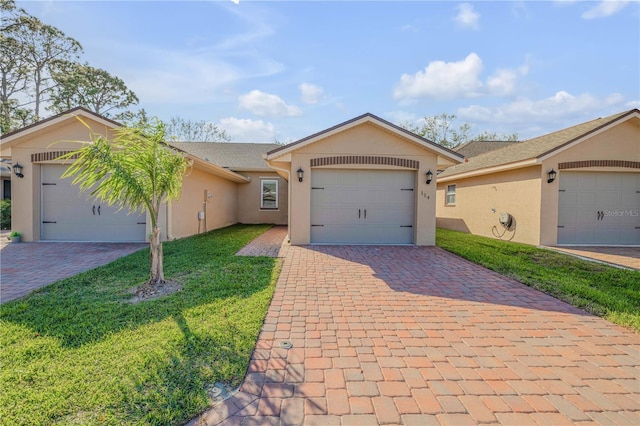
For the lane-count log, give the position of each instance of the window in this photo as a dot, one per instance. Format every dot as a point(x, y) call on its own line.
point(6, 189)
point(451, 195)
point(269, 194)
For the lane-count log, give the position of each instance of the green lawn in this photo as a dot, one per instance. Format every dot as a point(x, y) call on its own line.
point(77, 352)
point(603, 290)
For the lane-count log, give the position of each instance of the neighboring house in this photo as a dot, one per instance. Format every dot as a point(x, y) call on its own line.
point(579, 185)
point(222, 187)
point(362, 182)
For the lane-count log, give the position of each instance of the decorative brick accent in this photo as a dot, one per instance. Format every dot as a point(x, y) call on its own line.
point(365, 159)
point(49, 155)
point(599, 163)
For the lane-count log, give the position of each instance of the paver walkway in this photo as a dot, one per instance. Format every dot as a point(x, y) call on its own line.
point(25, 267)
point(629, 257)
point(270, 244)
point(415, 335)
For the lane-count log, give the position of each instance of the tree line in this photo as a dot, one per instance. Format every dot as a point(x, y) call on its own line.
point(41, 74)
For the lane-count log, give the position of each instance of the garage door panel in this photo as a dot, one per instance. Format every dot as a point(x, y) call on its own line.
point(71, 215)
point(586, 198)
point(599, 208)
point(362, 206)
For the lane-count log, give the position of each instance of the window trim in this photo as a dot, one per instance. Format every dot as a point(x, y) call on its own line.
point(450, 192)
point(262, 193)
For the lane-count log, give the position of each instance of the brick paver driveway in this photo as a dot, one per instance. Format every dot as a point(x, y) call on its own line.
point(409, 335)
point(25, 267)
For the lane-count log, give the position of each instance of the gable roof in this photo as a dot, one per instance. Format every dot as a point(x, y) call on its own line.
point(15, 137)
point(366, 118)
point(473, 148)
point(234, 156)
point(533, 150)
point(8, 138)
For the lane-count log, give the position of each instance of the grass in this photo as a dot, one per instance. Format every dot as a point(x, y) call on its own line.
point(602, 290)
point(77, 352)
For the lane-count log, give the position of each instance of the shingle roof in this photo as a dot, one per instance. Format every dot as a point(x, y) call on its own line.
point(234, 156)
point(533, 148)
point(473, 148)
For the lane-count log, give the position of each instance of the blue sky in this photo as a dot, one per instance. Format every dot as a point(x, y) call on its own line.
point(267, 70)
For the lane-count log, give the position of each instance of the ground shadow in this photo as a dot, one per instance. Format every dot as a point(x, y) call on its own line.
point(432, 271)
point(85, 307)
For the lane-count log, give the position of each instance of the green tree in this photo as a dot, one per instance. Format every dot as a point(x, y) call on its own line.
point(136, 170)
point(13, 67)
point(93, 88)
point(46, 48)
point(30, 52)
point(441, 130)
point(186, 130)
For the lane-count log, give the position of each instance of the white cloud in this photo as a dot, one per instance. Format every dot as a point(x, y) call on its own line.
point(467, 16)
point(399, 116)
point(203, 73)
point(266, 104)
point(554, 108)
point(443, 80)
point(310, 94)
point(461, 79)
point(502, 82)
point(632, 104)
point(247, 130)
point(604, 9)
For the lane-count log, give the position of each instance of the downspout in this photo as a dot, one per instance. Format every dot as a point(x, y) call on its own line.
point(169, 236)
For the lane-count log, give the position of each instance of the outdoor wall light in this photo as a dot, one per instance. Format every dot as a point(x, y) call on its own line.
point(300, 174)
point(17, 170)
point(429, 177)
point(552, 176)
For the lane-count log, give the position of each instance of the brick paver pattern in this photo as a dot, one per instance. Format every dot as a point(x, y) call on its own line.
point(25, 267)
point(270, 244)
point(415, 335)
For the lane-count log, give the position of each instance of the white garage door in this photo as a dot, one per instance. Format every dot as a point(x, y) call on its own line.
point(68, 215)
point(599, 208)
point(362, 206)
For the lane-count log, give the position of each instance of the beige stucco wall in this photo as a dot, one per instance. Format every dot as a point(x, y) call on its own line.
point(221, 207)
point(365, 139)
point(249, 210)
point(525, 192)
point(481, 199)
point(621, 142)
point(25, 192)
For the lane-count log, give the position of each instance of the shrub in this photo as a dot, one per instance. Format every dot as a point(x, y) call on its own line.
point(5, 214)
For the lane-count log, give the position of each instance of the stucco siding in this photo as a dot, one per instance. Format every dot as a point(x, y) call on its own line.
point(25, 205)
point(365, 140)
point(249, 194)
point(481, 199)
point(221, 208)
point(621, 142)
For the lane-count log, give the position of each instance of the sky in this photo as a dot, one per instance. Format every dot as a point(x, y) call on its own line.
point(270, 71)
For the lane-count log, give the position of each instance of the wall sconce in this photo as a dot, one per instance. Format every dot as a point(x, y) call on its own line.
point(552, 175)
point(17, 170)
point(300, 174)
point(429, 177)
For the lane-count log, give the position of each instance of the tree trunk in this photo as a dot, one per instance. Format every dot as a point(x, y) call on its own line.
point(157, 271)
